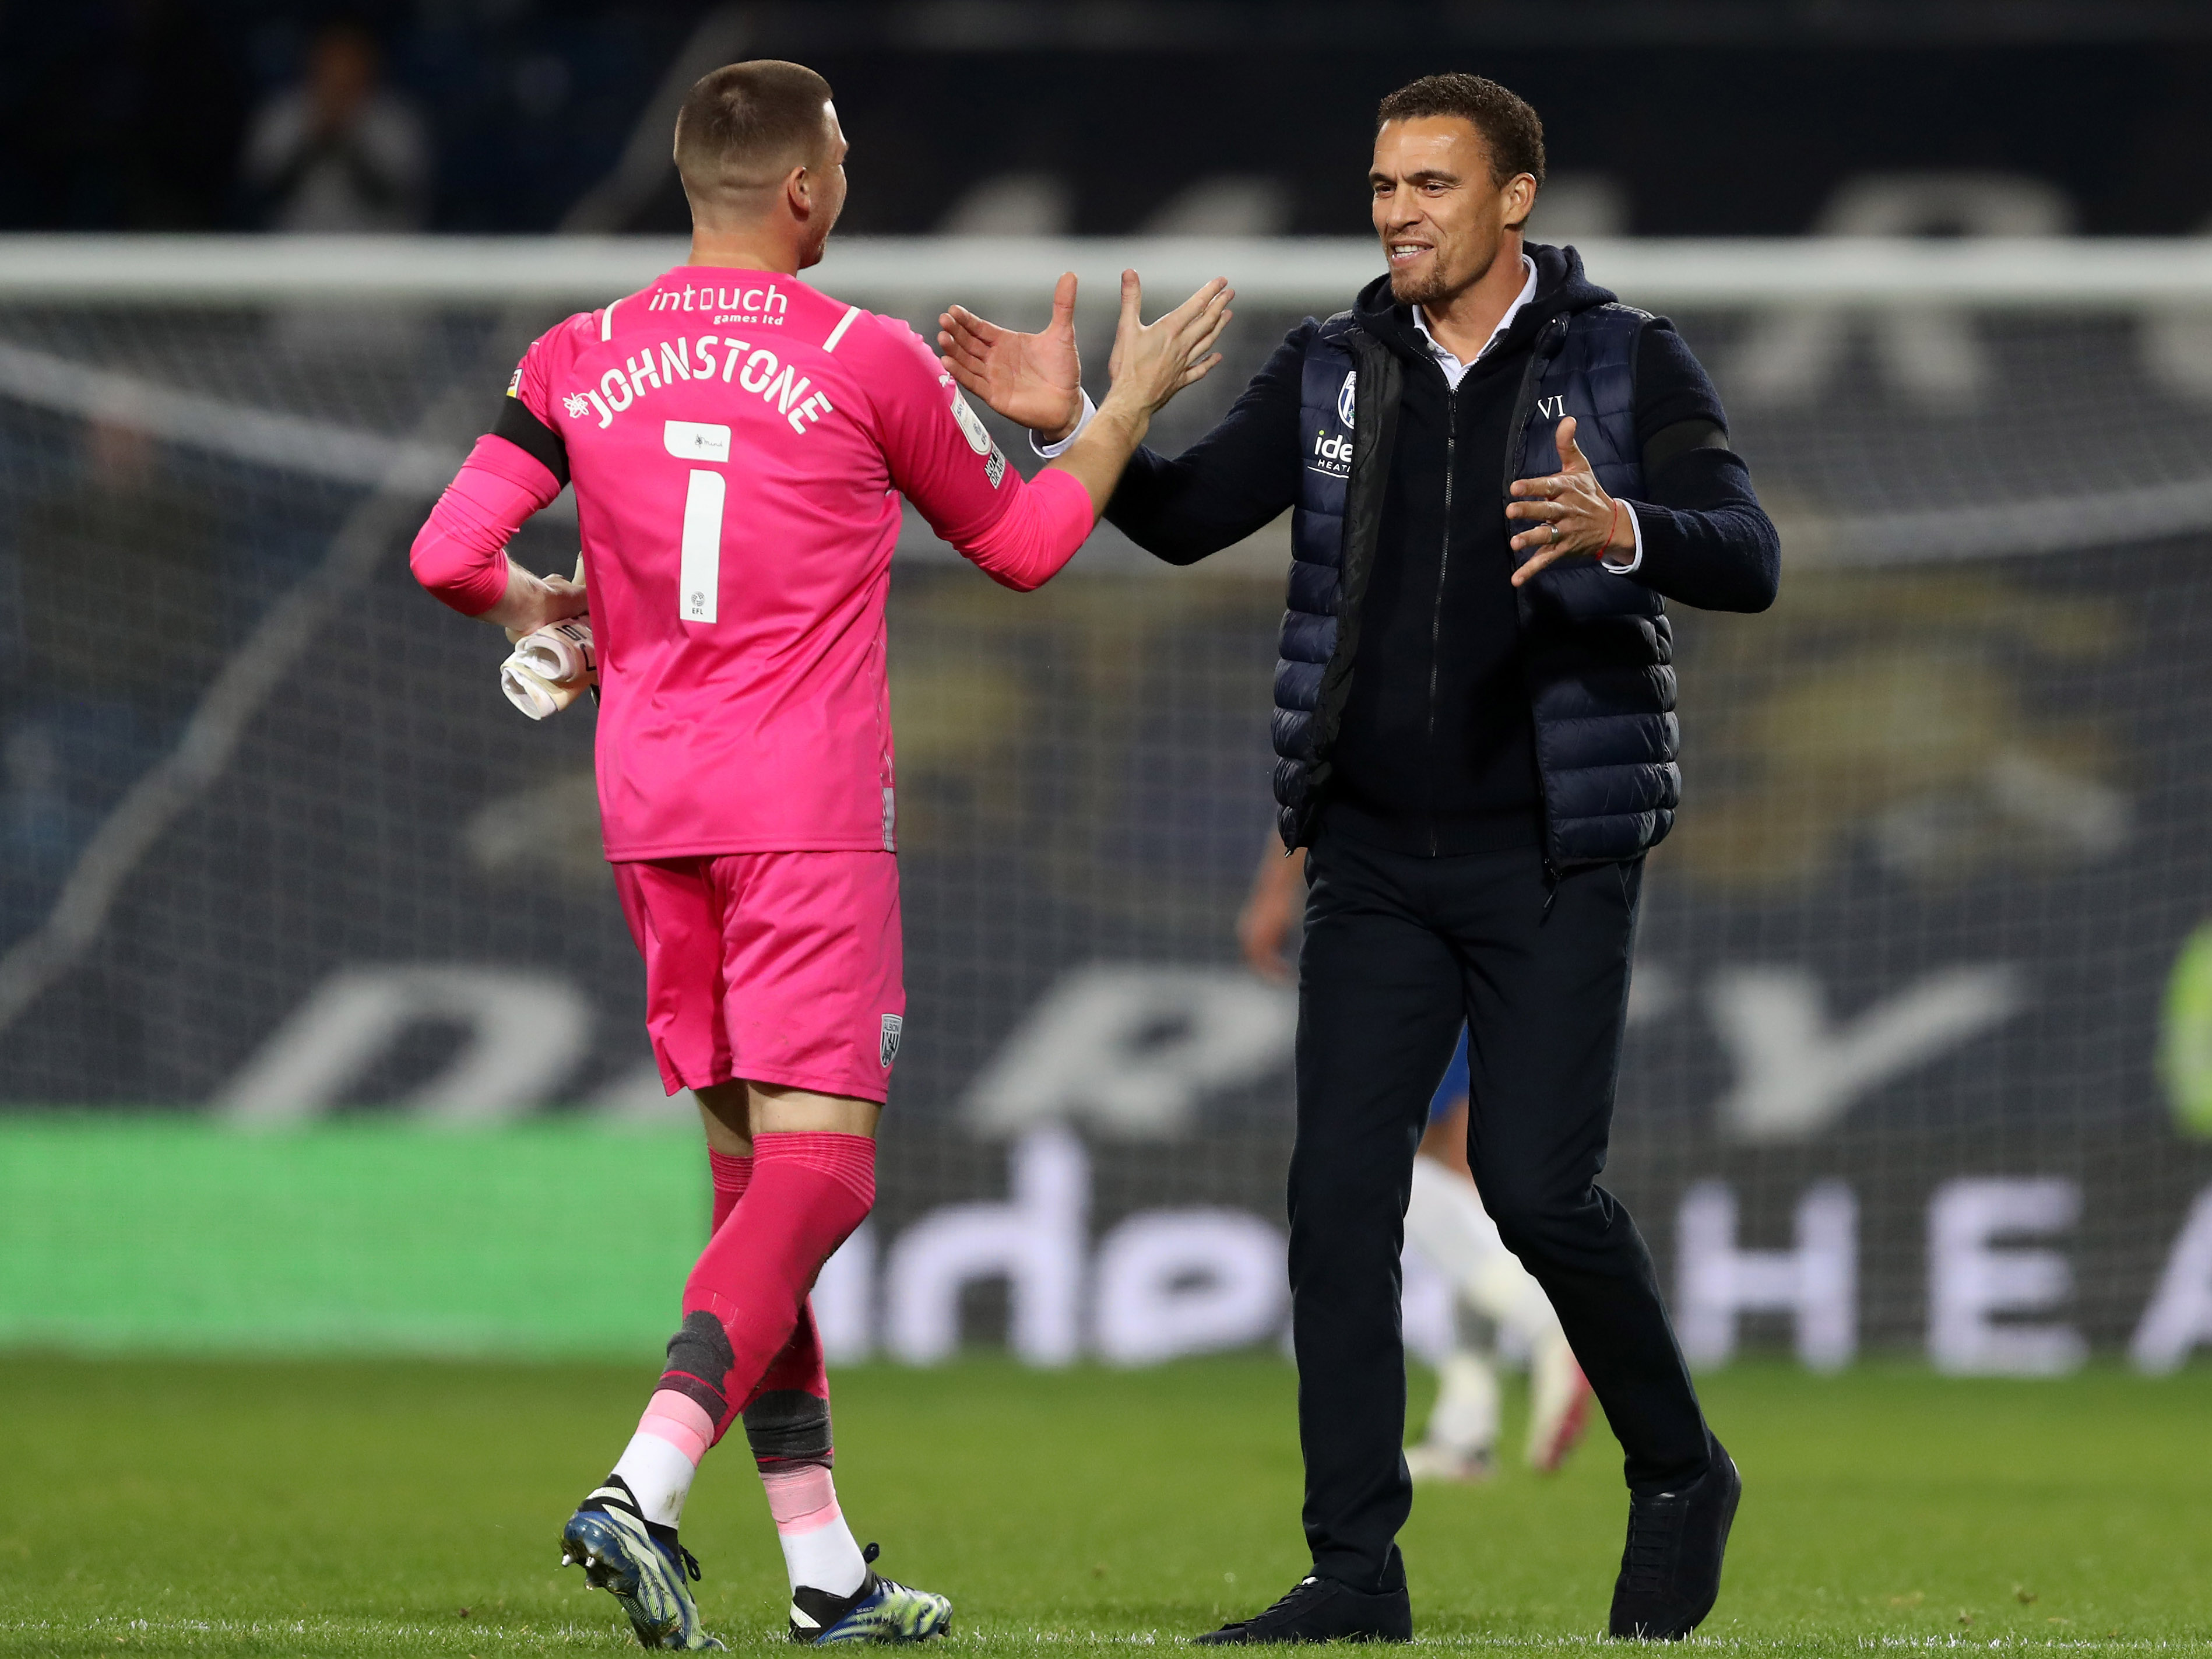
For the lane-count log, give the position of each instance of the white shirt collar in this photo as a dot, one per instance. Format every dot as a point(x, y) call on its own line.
point(1453, 367)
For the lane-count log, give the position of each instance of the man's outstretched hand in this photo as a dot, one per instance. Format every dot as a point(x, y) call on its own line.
point(1153, 361)
point(1036, 380)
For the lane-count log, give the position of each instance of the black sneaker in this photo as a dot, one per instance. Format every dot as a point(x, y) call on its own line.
point(1322, 1610)
point(1670, 1571)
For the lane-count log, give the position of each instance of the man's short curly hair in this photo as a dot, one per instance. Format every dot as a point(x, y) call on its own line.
point(1511, 130)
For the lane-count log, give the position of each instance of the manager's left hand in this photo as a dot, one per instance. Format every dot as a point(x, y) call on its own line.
point(1575, 516)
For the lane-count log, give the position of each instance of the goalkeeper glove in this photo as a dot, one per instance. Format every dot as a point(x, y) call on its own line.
point(551, 668)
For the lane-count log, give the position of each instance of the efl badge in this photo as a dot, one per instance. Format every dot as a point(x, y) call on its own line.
point(971, 426)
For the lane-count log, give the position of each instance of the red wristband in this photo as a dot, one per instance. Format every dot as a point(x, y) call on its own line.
point(1605, 553)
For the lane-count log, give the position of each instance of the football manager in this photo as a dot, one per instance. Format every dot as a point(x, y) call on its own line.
point(1498, 474)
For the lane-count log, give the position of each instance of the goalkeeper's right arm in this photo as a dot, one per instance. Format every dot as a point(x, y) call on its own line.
point(460, 553)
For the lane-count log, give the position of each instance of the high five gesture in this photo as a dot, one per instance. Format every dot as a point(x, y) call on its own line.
point(1151, 362)
point(1038, 378)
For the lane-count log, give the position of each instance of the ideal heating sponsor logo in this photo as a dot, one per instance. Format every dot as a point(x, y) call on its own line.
point(1332, 450)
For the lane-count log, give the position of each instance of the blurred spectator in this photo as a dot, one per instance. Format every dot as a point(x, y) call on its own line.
point(340, 152)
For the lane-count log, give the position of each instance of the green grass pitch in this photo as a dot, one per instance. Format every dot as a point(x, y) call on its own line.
point(341, 1508)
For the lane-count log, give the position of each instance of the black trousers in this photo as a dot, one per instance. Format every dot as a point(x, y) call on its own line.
point(1398, 952)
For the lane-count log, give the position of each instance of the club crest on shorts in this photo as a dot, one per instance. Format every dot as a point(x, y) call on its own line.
point(893, 1025)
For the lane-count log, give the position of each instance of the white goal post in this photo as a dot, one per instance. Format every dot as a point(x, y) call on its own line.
point(2070, 275)
point(1802, 305)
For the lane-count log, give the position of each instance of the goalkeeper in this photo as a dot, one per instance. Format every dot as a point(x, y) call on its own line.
point(739, 443)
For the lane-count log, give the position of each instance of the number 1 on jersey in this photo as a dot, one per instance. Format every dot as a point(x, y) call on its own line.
point(699, 589)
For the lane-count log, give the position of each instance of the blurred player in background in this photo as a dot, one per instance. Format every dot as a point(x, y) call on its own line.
point(1446, 1221)
point(739, 444)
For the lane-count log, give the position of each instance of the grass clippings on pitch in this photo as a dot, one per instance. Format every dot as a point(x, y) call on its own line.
point(355, 1508)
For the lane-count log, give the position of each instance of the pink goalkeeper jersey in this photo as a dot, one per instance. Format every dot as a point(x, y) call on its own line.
point(738, 443)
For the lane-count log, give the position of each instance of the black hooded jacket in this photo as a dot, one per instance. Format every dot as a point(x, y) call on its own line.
point(1433, 750)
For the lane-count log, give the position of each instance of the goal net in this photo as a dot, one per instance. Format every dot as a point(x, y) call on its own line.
point(1920, 1055)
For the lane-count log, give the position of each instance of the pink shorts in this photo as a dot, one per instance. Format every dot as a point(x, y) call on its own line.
point(779, 967)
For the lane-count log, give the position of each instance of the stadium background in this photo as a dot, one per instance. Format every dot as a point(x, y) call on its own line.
point(317, 1014)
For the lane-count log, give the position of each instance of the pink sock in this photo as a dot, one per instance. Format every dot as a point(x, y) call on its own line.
point(803, 1499)
point(673, 1417)
point(800, 1364)
point(732, 1176)
point(799, 1367)
point(747, 1296)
